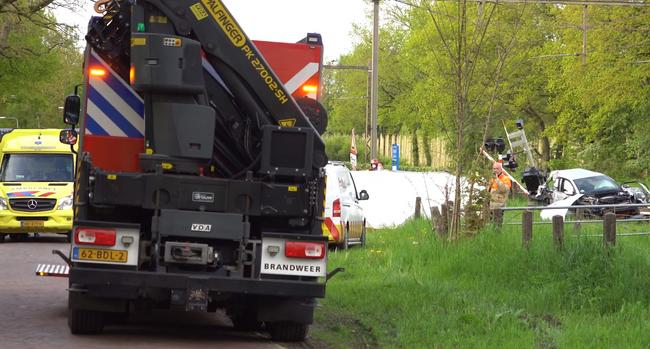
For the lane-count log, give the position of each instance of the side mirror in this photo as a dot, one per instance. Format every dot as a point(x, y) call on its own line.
point(71, 110)
point(363, 195)
point(68, 137)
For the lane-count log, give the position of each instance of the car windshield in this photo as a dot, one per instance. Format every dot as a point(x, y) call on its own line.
point(37, 168)
point(596, 183)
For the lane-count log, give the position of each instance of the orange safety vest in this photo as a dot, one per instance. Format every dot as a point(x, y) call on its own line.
point(504, 179)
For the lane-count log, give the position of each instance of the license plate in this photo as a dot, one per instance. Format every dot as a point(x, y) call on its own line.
point(93, 254)
point(32, 224)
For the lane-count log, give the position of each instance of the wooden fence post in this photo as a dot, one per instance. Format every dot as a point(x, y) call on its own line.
point(418, 206)
point(526, 228)
point(444, 224)
point(558, 232)
point(438, 222)
point(609, 229)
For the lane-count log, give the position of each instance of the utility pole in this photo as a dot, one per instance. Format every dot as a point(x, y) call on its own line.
point(584, 35)
point(375, 81)
point(368, 72)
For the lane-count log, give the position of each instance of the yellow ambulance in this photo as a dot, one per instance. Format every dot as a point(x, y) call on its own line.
point(36, 183)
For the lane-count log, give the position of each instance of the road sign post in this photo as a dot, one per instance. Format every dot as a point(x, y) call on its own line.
point(395, 165)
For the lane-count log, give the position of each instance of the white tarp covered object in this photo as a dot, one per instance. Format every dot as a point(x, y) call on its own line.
point(392, 194)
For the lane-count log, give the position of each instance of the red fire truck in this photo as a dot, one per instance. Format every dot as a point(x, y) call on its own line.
point(200, 180)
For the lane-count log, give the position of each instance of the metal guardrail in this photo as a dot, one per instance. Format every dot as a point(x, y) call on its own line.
point(609, 222)
point(541, 208)
point(597, 221)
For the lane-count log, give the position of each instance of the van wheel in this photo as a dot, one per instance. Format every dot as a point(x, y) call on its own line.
point(346, 238)
point(288, 331)
point(85, 321)
point(363, 235)
point(19, 237)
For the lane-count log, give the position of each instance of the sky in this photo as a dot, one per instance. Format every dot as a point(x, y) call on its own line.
point(281, 20)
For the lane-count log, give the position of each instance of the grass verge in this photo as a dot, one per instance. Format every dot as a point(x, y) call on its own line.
point(408, 289)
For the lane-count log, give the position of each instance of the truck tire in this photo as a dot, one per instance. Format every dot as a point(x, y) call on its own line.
point(85, 321)
point(246, 320)
point(287, 331)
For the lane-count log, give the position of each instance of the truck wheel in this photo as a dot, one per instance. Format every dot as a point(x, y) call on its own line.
point(245, 320)
point(246, 324)
point(85, 321)
point(288, 331)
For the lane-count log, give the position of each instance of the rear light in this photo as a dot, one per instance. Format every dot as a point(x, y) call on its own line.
point(305, 250)
point(336, 208)
point(92, 236)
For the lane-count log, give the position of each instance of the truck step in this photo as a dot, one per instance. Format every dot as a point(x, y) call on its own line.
point(56, 270)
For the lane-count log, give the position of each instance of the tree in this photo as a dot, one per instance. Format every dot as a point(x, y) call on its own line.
point(460, 71)
point(39, 68)
point(17, 13)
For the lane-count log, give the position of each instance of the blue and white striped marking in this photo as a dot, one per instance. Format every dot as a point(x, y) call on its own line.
point(114, 108)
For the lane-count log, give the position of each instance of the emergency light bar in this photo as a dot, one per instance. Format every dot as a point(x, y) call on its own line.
point(97, 72)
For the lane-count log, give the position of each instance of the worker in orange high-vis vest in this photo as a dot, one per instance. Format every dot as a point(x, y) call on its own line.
point(500, 186)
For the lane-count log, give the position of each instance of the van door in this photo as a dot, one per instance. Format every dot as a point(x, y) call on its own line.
point(356, 209)
point(347, 200)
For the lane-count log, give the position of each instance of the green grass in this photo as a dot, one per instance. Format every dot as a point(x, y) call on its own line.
point(408, 289)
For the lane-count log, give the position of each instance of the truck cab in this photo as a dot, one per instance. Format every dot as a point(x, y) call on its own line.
point(36, 183)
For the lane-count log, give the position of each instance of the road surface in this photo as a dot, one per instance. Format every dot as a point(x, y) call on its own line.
point(33, 312)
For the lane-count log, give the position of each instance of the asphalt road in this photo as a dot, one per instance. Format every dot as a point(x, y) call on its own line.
point(33, 312)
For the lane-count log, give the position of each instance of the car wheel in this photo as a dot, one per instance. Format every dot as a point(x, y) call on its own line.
point(85, 321)
point(2, 237)
point(288, 331)
point(363, 235)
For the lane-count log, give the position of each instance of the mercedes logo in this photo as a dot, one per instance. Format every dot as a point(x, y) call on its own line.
point(32, 204)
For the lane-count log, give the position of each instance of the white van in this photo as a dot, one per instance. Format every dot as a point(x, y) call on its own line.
point(345, 223)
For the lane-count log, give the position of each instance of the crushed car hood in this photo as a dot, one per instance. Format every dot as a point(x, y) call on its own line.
point(548, 213)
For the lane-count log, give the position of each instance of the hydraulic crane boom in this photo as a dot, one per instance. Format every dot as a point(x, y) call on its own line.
point(238, 83)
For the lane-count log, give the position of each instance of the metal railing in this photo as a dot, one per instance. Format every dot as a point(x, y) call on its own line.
point(609, 221)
